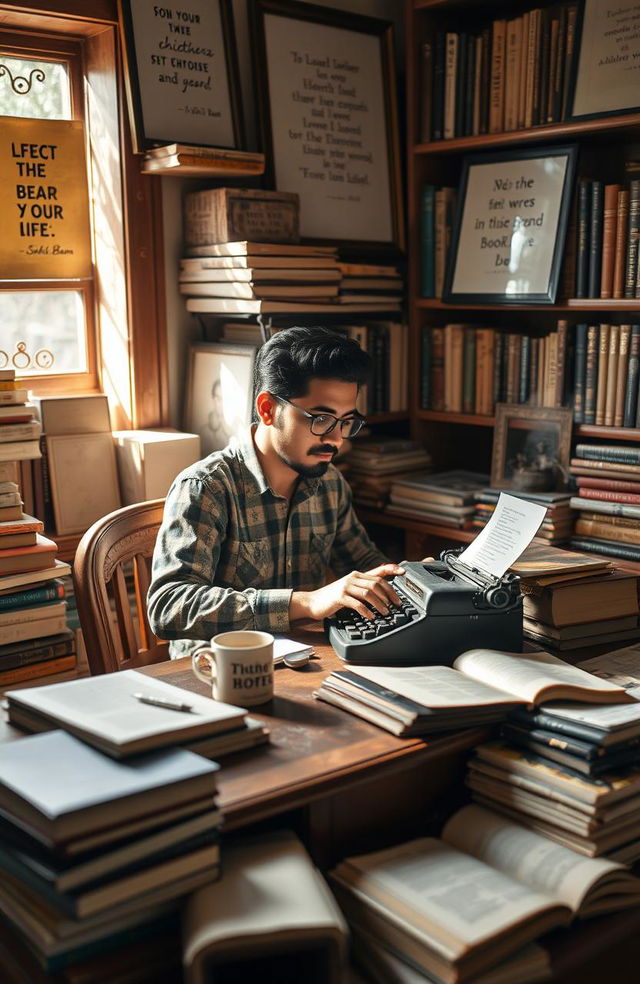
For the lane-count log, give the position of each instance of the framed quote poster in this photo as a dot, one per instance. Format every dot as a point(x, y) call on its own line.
point(510, 226)
point(328, 112)
point(181, 72)
point(607, 69)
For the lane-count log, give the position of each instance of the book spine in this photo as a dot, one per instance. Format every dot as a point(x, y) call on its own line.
point(561, 363)
point(460, 86)
point(485, 80)
point(554, 30)
point(425, 364)
point(59, 664)
point(607, 531)
point(632, 240)
point(609, 233)
point(570, 43)
point(35, 596)
point(603, 367)
point(469, 368)
point(451, 67)
point(606, 495)
point(582, 243)
point(438, 86)
point(41, 654)
point(437, 368)
point(616, 509)
point(588, 466)
point(544, 56)
point(523, 67)
point(580, 367)
point(606, 547)
point(496, 108)
point(427, 267)
point(498, 362)
point(513, 55)
point(478, 91)
point(590, 375)
point(569, 728)
point(533, 371)
point(612, 374)
point(525, 365)
point(622, 234)
point(613, 484)
point(631, 394)
point(609, 452)
point(468, 95)
point(595, 239)
point(427, 58)
point(622, 375)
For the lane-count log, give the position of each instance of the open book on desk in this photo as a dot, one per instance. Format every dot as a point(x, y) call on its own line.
point(481, 687)
point(458, 905)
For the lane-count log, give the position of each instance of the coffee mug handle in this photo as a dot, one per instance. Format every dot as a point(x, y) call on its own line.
point(210, 677)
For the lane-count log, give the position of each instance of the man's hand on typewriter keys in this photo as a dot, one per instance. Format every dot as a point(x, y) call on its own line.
point(368, 593)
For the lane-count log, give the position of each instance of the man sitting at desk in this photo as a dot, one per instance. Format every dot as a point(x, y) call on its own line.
point(251, 533)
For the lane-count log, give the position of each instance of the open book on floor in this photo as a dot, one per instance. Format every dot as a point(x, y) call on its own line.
point(291, 930)
point(458, 905)
point(482, 686)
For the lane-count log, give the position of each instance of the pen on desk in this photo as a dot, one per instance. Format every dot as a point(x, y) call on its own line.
point(162, 702)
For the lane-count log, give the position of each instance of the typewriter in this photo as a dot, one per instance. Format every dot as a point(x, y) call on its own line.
point(446, 607)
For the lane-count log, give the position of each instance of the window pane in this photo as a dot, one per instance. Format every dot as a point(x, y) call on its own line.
point(35, 89)
point(43, 332)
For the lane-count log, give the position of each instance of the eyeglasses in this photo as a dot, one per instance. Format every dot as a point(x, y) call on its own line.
point(322, 424)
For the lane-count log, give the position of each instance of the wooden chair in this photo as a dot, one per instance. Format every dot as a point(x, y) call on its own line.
point(118, 544)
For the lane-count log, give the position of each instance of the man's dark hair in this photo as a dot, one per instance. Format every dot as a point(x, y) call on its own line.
point(292, 357)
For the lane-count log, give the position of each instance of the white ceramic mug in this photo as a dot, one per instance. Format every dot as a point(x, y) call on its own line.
point(239, 667)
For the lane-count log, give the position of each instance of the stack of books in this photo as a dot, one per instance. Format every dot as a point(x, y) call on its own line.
point(370, 284)
point(607, 500)
point(557, 525)
point(607, 240)
point(572, 599)
point(375, 464)
point(34, 637)
point(250, 278)
point(96, 854)
point(445, 498)
point(470, 904)
point(543, 774)
point(606, 375)
point(188, 159)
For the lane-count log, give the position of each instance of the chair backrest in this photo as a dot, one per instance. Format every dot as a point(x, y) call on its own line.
point(111, 574)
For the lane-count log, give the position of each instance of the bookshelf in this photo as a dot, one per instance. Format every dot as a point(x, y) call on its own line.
point(464, 440)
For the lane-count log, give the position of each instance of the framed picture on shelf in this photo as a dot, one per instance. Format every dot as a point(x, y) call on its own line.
point(181, 73)
point(510, 226)
point(531, 448)
point(219, 397)
point(606, 76)
point(328, 114)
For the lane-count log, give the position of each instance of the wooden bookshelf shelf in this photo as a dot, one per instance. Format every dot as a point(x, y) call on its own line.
point(441, 417)
point(595, 304)
point(594, 129)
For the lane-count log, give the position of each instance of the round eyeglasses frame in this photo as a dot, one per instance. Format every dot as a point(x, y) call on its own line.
point(349, 426)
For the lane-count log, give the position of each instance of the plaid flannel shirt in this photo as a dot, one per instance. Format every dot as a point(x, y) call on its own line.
point(230, 552)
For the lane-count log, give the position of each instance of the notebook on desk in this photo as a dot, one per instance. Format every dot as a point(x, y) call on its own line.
point(103, 712)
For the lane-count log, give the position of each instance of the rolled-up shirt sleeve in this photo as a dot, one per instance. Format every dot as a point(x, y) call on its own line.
point(183, 601)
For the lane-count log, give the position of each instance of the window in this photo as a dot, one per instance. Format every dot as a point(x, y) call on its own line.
point(107, 333)
point(49, 326)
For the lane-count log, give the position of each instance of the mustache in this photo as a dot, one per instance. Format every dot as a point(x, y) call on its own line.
point(324, 449)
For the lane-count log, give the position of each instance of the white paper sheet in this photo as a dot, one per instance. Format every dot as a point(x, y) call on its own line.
point(510, 530)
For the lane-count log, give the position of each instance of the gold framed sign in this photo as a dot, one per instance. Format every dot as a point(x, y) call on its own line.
point(44, 200)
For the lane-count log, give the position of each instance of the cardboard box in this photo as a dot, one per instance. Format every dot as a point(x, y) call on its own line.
point(149, 460)
point(229, 215)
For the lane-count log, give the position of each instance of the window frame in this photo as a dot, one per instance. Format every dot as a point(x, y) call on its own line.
point(133, 369)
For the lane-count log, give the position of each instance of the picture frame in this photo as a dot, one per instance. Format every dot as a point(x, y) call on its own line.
point(181, 74)
point(219, 397)
point(326, 94)
point(510, 226)
point(84, 479)
point(518, 461)
point(605, 78)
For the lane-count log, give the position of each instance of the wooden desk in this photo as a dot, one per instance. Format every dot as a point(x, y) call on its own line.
point(358, 786)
